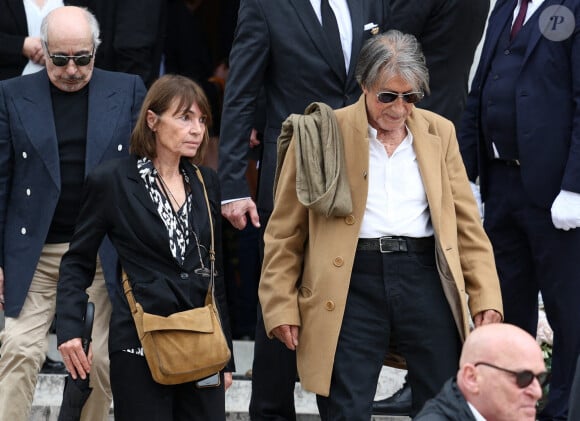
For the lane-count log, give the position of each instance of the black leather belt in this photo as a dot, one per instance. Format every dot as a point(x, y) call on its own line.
point(508, 162)
point(396, 244)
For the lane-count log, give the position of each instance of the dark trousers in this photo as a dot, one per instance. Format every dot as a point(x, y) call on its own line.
point(273, 369)
point(574, 413)
point(396, 294)
point(532, 255)
point(138, 397)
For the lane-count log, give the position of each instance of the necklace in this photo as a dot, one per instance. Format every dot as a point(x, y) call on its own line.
point(203, 270)
point(167, 191)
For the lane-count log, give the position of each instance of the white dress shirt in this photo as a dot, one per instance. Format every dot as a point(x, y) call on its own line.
point(397, 202)
point(342, 13)
point(476, 414)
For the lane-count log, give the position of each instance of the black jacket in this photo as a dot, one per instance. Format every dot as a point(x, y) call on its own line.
point(117, 203)
point(448, 405)
point(13, 31)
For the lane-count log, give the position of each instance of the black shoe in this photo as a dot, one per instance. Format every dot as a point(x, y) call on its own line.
point(51, 366)
point(398, 404)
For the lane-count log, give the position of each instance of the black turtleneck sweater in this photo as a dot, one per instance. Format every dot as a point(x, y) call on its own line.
point(70, 118)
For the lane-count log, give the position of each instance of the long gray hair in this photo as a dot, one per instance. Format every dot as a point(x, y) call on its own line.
point(392, 54)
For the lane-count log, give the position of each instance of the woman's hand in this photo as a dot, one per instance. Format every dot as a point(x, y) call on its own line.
point(288, 335)
point(228, 380)
point(77, 363)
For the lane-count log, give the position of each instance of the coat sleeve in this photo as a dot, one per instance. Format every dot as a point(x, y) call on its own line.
point(78, 265)
point(475, 252)
point(6, 163)
point(249, 60)
point(285, 238)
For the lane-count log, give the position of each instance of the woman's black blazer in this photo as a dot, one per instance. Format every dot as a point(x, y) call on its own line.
point(117, 204)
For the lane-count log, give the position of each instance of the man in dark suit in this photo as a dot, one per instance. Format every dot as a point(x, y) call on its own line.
point(281, 46)
point(520, 134)
point(55, 126)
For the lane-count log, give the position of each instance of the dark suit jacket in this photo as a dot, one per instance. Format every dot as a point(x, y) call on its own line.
point(448, 405)
point(30, 170)
point(116, 203)
point(131, 34)
point(13, 30)
point(449, 31)
point(279, 45)
point(547, 108)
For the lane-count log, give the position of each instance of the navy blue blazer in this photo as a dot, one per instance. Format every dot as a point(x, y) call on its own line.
point(30, 171)
point(547, 107)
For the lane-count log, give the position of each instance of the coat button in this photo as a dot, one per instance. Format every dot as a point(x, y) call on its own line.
point(120, 147)
point(338, 261)
point(23, 231)
point(184, 275)
point(27, 192)
point(349, 220)
point(24, 155)
point(329, 305)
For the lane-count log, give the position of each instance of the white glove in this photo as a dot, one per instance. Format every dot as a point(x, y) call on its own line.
point(566, 210)
point(477, 196)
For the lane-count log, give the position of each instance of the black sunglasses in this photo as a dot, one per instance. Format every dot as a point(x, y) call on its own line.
point(387, 97)
point(60, 61)
point(523, 378)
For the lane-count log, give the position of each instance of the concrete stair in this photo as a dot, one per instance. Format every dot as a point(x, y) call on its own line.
point(48, 394)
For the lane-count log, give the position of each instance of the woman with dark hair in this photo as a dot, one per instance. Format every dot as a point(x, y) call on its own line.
point(152, 207)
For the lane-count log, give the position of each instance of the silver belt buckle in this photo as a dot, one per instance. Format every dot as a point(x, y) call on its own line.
point(381, 244)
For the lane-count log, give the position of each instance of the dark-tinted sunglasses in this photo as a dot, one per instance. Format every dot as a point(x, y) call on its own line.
point(60, 61)
point(523, 378)
point(387, 97)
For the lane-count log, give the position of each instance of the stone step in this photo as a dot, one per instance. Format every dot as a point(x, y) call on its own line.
point(48, 394)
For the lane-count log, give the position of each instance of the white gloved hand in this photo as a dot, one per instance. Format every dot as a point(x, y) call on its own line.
point(477, 196)
point(566, 210)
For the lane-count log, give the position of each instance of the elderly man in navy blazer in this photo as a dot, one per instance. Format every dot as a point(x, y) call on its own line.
point(55, 126)
point(521, 135)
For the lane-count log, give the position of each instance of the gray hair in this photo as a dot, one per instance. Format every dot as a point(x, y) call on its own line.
point(392, 54)
point(91, 19)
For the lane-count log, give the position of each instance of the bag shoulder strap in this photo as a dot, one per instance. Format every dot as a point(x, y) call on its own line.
point(210, 296)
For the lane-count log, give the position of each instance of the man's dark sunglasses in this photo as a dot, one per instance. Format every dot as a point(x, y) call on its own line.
point(60, 61)
point(523, 378)
point(387, 97)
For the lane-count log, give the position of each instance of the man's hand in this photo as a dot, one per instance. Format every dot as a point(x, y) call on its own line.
point(76, 361)
point(288, 335)
point(566, 210)
point(32, 49)
point(486, 317)
point(235, 212)
point(228, 380)
point(254, 141)
point(2, 289)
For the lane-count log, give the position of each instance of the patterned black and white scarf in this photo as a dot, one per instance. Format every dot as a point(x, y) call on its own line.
point(178, 231)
